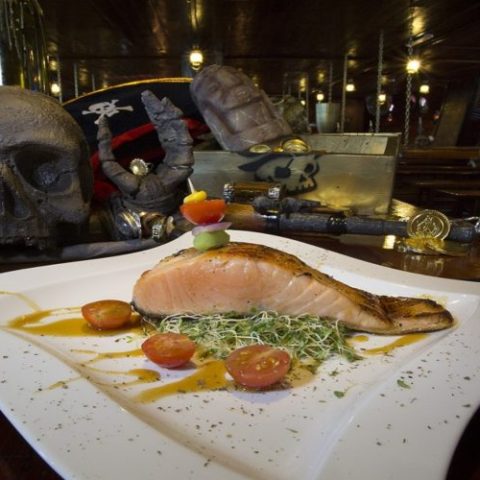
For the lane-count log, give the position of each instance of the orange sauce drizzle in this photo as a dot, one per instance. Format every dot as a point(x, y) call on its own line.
point(32, 304)
point(298, 376)
point(143, 375)
point(137, 352)
point(62, 383)
point(66, 327)
point(358, 339)
point(207, 377)
point(399, 342)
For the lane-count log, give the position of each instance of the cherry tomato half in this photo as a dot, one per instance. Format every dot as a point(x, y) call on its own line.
point(107, 314)
point(258, 366)
point(169, 349)
point(206, 211)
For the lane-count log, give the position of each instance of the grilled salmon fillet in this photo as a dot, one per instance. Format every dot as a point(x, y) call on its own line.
point(241, 277)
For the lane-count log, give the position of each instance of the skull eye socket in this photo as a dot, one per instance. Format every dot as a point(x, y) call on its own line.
point(282, 172)
point(42, 169)
point(99, 108)
point(309, 168)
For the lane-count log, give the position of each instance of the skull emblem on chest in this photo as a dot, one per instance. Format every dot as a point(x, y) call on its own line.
point(46, 180)
point(296, 173)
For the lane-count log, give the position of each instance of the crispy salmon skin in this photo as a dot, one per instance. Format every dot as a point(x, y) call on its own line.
point(241, 277)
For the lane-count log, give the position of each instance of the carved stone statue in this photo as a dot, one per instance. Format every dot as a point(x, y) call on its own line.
point(46, 181)
point(145, 190)
point(239, 114)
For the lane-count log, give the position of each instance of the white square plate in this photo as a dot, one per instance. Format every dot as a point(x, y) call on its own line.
point(401, 414)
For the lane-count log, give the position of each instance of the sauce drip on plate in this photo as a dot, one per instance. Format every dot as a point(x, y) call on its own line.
point(207, 377)
point(137, 352)
point(399, 342)
point(65, 327)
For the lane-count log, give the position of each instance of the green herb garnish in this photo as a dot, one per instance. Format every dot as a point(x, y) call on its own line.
point(309, 339)
point(402, 384)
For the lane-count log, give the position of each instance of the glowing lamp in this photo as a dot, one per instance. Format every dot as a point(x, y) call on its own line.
point(196, 58)
point(413, 65)
point(350, 86)
point(424, 88)
point(55, 89)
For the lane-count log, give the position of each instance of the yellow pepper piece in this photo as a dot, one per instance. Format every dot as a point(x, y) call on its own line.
point(195, 197)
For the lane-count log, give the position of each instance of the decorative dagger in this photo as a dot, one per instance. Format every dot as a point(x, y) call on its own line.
point(267, 215)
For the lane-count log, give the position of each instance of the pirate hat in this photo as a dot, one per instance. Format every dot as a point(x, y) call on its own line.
point(133, 135)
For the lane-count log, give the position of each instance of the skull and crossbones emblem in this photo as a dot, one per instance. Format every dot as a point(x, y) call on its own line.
point(106, 109)
point(296, 172)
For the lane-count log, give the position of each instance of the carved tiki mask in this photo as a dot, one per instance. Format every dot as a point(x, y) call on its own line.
point(46, 179)
point(238, 113)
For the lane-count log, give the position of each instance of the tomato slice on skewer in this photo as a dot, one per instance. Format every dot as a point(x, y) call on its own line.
point(169, 349)
point(205, 211)
point(107, 314)
point(258, 366)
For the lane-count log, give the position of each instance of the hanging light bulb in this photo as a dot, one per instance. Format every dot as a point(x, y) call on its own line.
point(424, 88)
point(196, 58)
point(413, 65)
point(55, 89)
point(53, 64)
point(350, 86)
point(320, 96)
point(302, 84)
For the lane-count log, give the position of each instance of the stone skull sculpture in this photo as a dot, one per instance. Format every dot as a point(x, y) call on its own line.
point(46, 180)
